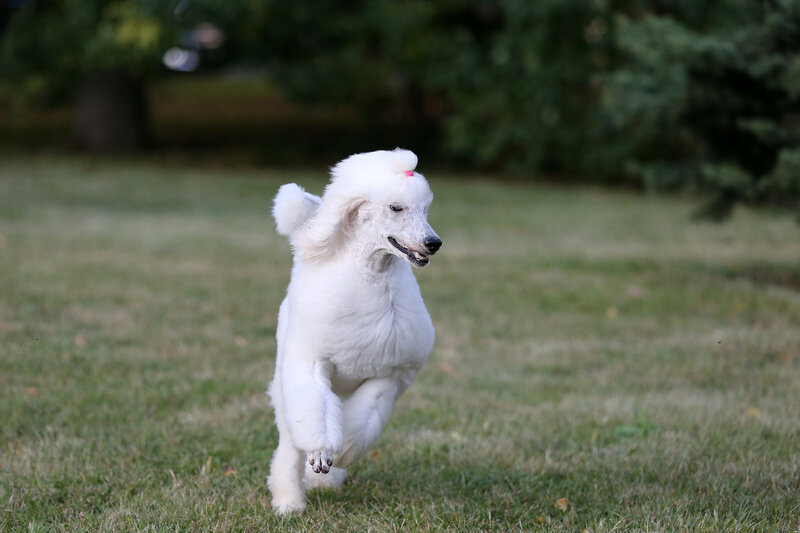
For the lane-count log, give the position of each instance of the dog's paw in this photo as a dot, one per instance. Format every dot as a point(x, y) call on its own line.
point(320, 461)
point(285, 507)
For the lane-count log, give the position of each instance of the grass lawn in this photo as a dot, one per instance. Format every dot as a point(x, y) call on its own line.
point(601, 362)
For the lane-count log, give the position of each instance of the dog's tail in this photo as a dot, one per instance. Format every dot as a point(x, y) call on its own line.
point(292, 207)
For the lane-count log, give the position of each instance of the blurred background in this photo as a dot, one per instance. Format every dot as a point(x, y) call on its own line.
point(603, 361)
point(653, 94)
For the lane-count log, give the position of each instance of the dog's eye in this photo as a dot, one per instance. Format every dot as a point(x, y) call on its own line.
point(396, 208)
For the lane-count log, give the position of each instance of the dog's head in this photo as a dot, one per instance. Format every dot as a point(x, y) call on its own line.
point(374, 204)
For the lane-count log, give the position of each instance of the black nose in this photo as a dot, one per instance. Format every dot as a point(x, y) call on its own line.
point(432, 244)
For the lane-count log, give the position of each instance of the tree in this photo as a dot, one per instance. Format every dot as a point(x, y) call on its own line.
point(506, 83)
point(702, 94)
point(712, 100)
point(101, 53)
point(682, 93)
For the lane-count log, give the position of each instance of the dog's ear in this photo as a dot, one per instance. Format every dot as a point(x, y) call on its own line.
point(326, 233)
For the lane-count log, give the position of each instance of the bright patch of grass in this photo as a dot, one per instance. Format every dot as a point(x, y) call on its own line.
point(592, 346)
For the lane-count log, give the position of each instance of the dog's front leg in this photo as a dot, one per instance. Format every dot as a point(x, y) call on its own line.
point(313, 411)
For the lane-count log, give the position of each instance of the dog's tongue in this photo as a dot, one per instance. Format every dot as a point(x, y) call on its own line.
point(419, 258)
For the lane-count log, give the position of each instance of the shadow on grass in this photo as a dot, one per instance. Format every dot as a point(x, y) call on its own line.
point(402, 489)
point(767, 274)
point(570, 496)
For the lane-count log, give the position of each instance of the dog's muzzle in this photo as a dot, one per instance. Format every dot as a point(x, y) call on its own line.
point(414, 257)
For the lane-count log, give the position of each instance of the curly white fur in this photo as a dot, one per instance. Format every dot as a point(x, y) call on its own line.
point(292, 207)
point(353, 330)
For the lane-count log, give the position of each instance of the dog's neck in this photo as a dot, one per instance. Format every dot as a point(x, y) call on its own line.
point(378, 263)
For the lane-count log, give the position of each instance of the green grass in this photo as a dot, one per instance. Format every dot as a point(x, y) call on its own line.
point(593, 346)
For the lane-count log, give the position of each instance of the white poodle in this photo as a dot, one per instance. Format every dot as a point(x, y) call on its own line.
point(352, 331)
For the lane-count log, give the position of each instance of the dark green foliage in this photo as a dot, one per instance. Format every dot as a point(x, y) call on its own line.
point(676, 93)
point(48, 46)
point(525, 99)
point(99, 54)
point(699, 94)
point(712, 101)
point(508, 82)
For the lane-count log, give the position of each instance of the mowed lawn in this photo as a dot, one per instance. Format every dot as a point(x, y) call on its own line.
point(602, 362)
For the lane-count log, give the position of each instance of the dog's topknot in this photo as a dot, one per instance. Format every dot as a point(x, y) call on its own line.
point(372, 171)
point(402, 160)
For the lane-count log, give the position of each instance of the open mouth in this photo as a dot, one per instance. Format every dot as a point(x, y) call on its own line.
point(415, 258)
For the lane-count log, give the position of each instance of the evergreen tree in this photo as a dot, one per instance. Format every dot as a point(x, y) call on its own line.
point(713, 102)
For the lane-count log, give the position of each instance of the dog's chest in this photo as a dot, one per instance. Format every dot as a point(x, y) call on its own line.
point(379, 333)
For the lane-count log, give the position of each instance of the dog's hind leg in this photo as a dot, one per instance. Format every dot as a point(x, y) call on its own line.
point(332, 480)
point(286, 479)
point(286, 470)
point(365, 414)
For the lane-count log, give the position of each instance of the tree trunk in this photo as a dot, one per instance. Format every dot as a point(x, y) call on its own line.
point(111, 112)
